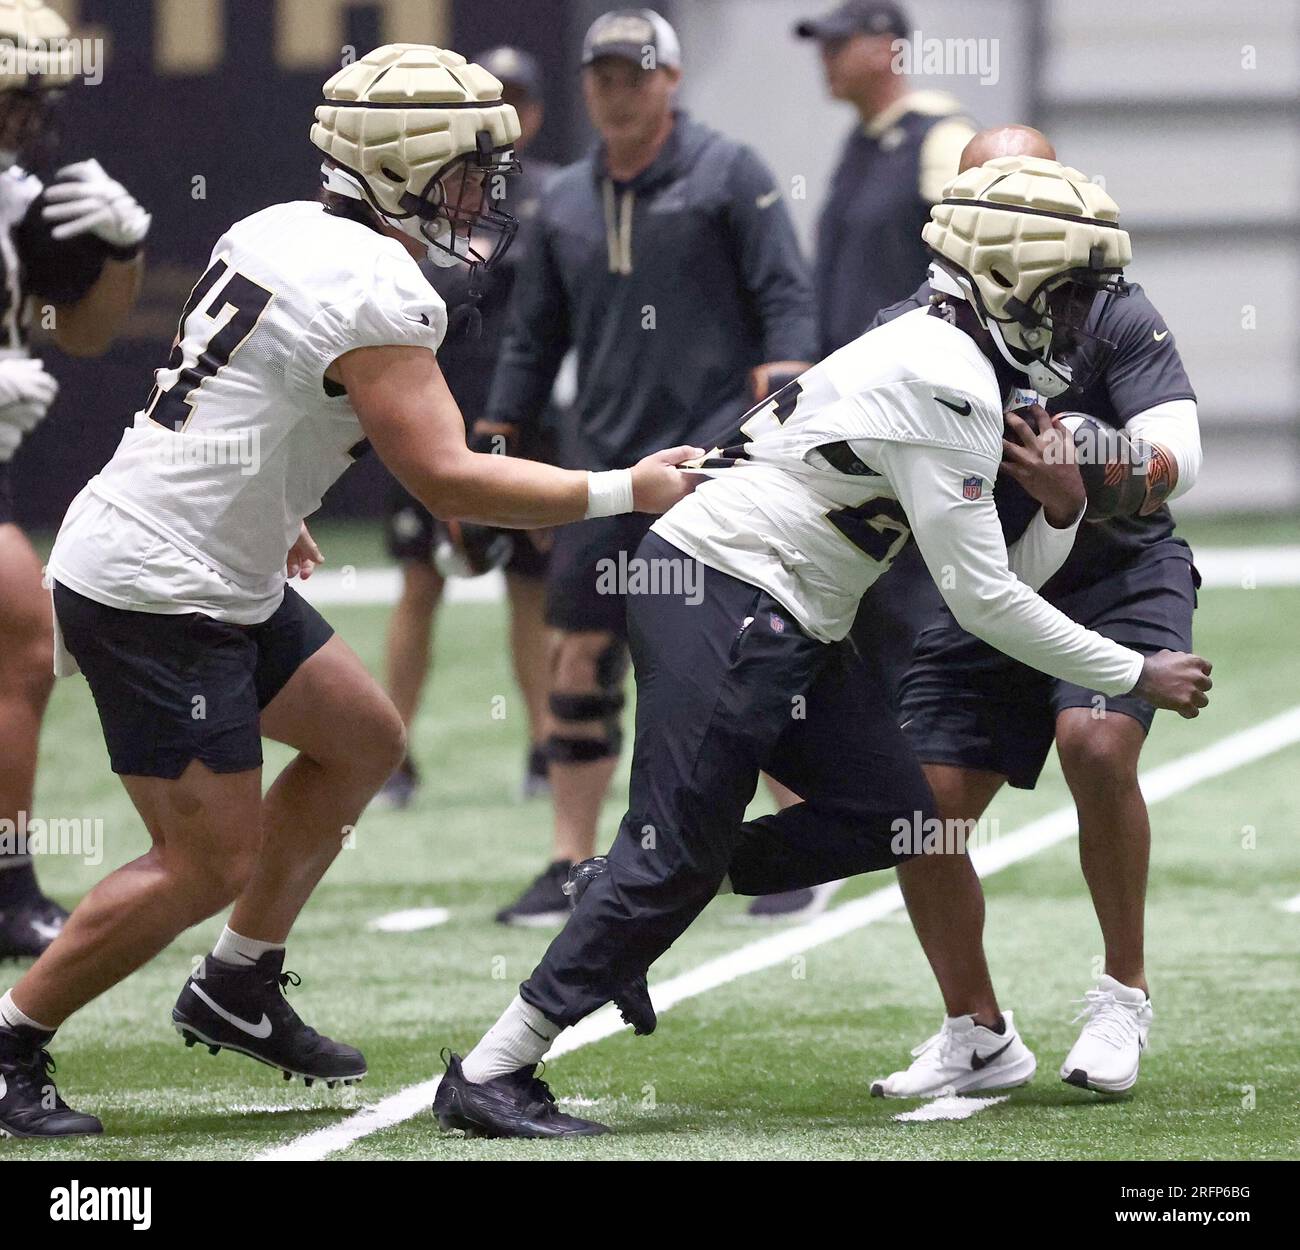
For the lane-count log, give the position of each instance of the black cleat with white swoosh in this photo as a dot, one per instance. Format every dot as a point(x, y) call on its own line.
point(27, 928)
point(224, 1007)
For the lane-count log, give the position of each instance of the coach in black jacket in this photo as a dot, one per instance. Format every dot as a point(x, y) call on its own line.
point(667, 259)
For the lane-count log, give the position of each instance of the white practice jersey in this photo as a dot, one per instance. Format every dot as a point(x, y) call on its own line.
point(242, 434)
point(898, 433)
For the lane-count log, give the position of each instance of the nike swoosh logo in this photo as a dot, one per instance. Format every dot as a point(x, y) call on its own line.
point(47, 931)
point(977, 1063)
point(963, 411)
point(1161, 335)
point(766, 201)
point(4, 1088)
point(253, 1030)
point(421, 320)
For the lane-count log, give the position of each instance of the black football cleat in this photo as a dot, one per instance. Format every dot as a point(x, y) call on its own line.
point(30, 1105)
point(27, 928)
point(633, 999)
point(543, 904)
point(517, 1105)
point(224, 1007)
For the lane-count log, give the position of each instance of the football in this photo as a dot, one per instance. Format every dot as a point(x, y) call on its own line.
point(1113, 467)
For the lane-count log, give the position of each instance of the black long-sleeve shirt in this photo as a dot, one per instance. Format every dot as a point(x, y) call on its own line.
point(671, 287)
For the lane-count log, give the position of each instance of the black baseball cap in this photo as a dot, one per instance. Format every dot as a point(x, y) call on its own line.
point(631, 35)
point(515, 68)
point(857, 17)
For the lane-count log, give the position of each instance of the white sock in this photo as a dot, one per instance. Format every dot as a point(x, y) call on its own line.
point(241, 951)
point(12, 1018)
point(517, 1040)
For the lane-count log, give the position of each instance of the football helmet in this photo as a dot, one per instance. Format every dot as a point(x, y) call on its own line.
point(36, 63)
point(1029, 243)
point(423, 137)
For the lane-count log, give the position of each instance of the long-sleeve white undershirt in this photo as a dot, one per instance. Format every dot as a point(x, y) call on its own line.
point(962, 544)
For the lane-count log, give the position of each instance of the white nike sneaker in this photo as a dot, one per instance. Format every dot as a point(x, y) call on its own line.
point(1107, 1054)
point(961, 1058)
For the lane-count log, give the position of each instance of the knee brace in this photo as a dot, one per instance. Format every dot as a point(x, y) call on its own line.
point(605, 706)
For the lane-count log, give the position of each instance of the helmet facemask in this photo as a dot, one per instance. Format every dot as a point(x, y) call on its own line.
point(28, 136)
point(1048, 338)
point(458, 214)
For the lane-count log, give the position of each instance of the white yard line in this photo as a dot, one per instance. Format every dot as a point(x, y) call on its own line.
point(1220, 567)
point(1160, 783)
point(411, 920)
point(1291, 904)
point(949, 1107)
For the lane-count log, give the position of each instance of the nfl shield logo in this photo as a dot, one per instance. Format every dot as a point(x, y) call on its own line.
point(778, 625)
point(972, 487)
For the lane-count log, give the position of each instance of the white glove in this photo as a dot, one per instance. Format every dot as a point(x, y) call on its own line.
point(26, 393)
point(84, 198)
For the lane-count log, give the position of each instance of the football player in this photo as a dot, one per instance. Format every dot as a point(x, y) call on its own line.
point(312, 332)
point(899, 433)
point(980, 720)
point(70, 242)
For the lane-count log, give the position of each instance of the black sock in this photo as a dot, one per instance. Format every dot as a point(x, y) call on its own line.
point(18, 884)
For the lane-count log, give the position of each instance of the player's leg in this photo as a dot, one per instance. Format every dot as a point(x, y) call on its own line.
point(945, 901)
point(530, 656)
point(891, 615)
point(317, 697)
point(1148, 606)
point(28, 920)
point(176, 701)
point(976, 720)
point(1099, 757)
point(586, 610)
point(409, 536)
point(204, 829)
point(713, 696)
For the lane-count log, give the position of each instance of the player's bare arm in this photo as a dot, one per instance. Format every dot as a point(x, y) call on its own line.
point(412, 421)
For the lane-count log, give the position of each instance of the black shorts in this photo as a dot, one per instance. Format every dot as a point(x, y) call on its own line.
point(963, 703)
point(7, 515)
point(410, 533)
point(174, 689)
point(583, 587)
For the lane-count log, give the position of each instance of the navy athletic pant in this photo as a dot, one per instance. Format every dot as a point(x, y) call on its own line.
point(729, 685)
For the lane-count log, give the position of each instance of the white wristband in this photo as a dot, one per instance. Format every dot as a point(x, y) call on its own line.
point(609, 494)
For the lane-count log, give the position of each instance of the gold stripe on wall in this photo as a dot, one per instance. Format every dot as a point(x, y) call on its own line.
point(188, 36)
point(310, 34)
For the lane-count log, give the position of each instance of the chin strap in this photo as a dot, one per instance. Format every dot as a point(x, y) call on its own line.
point(341, 183)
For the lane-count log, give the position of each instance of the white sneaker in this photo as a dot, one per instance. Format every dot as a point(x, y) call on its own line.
point(1109, 1049)
point(961, 1058)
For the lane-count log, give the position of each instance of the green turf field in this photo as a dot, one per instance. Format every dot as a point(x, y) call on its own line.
point(775, 1064)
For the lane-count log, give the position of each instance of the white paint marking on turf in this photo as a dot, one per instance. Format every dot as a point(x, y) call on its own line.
point(1292, 904)
point(1220, 568)
point(1160, 783)
point(949, 1107)
point(410, 921)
